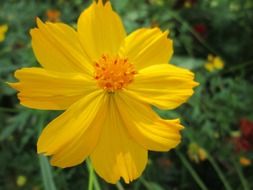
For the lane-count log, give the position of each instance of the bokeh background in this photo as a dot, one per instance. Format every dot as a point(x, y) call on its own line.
point(213, 38)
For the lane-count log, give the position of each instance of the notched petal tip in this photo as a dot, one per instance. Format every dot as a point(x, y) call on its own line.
point(100, 30)
point(146, 47)
point(41, 148)
point(167, 32)
point(39, 22)
point(107, 3)
point(195, 84)
point(54, 162)
point(12, 84)
point(177, 123)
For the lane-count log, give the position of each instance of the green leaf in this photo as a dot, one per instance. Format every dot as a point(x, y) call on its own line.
point(150, 185)
point(187, 62)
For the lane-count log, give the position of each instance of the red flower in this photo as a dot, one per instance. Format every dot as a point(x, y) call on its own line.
point(201, 29)
point(245, 141)
point(242, 145)
point(246, 128)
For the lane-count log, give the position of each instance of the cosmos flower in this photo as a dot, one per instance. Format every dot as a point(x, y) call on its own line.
point(53, 15)
point(244, 161)
point(106, 81)
point(196, 153)
point(3, 30)
point(201, 29)
point(245, 141)
point(214, 63)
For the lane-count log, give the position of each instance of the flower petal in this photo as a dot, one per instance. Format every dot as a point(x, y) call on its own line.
point(145, 127)
point(146, 47)
point(57, 48)
point(42, 89)
point(117, 155)
point(100, 30)
point(72, 136)
point(3, 30)
point(164, 85)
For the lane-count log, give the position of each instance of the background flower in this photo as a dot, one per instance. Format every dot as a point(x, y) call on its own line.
point(214, 63)
point(3, 30)
point(53, 15)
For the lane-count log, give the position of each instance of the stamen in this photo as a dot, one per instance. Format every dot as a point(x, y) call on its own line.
point(113, 73)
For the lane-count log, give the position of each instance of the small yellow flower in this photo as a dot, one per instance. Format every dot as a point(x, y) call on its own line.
point(3, 30)
point(209, 67)
point(187, 4)
point(21, 180)
point(157, 2)
point(53, 15)
point(196, 153)
point(214, 63)
point(245, 161)
point(202, 154)
point(106, 81)
point(218, 63)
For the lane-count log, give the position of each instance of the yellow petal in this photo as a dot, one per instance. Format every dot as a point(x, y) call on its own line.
point(117, 155)
point(41, 89)
point(146, 47)
point(57, 48)
point(209, 66)
point(165, 86)
point(100, 30)
point(146, 127)
point(218, 63)
point(72, 136)
point(3, 30)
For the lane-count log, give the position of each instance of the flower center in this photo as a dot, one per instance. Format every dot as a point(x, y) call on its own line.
point(113, 73)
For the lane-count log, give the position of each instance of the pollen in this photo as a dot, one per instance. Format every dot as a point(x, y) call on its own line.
point(113, 74)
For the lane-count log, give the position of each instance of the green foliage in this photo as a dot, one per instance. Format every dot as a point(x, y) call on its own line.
point(212, 116)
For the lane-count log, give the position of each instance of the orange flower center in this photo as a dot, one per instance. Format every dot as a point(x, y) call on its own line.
point(113, 73)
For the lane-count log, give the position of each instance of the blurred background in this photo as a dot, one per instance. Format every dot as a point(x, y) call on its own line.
point(213, 38)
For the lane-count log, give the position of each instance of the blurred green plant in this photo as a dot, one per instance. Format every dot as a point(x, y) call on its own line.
point(220, 27)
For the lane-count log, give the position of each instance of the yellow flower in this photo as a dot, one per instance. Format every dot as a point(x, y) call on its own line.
point(196, 153)
point(245, 161)
point(209, 67)
point(106, 81)
point(214, 63)
point(3, 30)
point(202, 154)
point(218, 63)
point(187, 4)
point(53, 15)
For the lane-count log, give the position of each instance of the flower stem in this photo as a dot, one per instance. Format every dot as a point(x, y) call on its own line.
point(240, 174)
point(45, 167)
point(93, 181)
point(219, 172)
point(119, 186)
point(191, 170)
